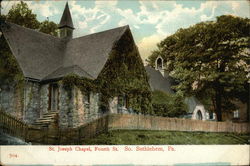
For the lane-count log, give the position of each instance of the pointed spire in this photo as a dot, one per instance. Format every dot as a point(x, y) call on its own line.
point(66, 20)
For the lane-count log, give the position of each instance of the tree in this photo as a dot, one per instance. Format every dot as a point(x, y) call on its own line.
point(9, 71)
point(209, 59)
point(168, 105)
point(20, 14)
point(49, 27)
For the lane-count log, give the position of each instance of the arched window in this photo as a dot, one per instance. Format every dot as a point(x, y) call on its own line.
point(159, 63)
point(199, 115)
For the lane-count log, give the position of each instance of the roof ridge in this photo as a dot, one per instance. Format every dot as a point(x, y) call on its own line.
point(44, 78)
point(125, 27)
point(66, 67)
point(82, 70)
point(33, 30)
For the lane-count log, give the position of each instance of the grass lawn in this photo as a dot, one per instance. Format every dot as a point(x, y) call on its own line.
point(141, 137)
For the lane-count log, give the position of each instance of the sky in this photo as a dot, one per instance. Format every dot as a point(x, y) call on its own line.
point(149, 21)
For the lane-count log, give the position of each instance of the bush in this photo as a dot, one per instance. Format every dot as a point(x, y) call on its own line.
point(168, 105)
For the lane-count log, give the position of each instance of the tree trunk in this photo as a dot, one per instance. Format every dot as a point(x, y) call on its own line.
point(218, 96)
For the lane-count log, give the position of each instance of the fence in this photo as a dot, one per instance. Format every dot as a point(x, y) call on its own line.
point(12, 125)
point(89, 130)
point(73, 136)
point(141, 122)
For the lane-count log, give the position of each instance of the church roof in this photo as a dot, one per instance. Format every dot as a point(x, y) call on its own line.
point(157, 81)
point(66, 20)
point(192, 102)
point(42, 57)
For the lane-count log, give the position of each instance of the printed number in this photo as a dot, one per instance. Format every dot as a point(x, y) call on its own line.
point(13, 155)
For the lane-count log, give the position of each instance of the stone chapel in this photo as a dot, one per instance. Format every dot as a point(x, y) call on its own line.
point(46, 60)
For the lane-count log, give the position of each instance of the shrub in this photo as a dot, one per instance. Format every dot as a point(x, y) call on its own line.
point(168, 105)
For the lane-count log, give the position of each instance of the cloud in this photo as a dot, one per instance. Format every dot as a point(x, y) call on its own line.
point(241, 9)
point(148, 44)
point(46, 9)
point(90, 20)
point(105, 4)
point(6, 6)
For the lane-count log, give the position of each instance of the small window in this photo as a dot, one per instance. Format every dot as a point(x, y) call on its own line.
point(123, 101)
point(120, 101)
point(236, 114)
point(211, 115)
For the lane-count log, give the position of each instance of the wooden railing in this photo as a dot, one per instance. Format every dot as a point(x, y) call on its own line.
point(13, 126)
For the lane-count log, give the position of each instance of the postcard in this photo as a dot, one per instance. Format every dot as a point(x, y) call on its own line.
point(121, 82)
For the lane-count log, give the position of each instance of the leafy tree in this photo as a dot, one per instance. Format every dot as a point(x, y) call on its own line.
point(49, 27)
point(168, 105)
point(20, 14)
point(9, 71)
point(210, 59)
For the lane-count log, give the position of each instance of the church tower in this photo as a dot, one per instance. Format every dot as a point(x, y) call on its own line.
point(66, 25)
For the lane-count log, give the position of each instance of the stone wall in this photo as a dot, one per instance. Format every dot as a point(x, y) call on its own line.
point(44, 98)
point(11, 100)
point(26, 103)
point(31, 102)
point(65, 107)
point(94, 107)
point(74, 110)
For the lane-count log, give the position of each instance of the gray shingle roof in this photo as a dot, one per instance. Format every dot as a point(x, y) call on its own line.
point(192, 102)
point(43, 56)
point(38, 54)
point(157, 81)
point(66, 20)
point(92, 51)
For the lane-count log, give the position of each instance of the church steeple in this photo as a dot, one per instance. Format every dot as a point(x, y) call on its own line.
point(66, 25)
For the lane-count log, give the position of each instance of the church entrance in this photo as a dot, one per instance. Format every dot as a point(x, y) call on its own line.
point(53, 97)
